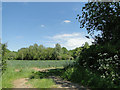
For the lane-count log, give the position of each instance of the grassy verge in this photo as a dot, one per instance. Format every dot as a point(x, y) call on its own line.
point(0, 82)
point(10, 75)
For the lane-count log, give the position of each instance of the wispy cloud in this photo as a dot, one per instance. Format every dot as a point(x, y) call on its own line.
point(42, 26)
point(71, 41)
point(75, 9)
point(66, 21)
point(62, 36)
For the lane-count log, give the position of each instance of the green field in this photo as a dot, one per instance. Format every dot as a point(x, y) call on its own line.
point(25, 70)
point(38, 63)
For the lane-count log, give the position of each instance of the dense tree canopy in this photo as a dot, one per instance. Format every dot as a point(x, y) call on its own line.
point(104, 17)
point(39, 52)
point(36, 52)
point(75, 53)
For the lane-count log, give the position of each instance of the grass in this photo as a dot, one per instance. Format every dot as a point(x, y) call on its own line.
point(38, 63)
point(25, 71)
point(0, 82)
point(10, 75)
point(42, 75)
point(41, 79)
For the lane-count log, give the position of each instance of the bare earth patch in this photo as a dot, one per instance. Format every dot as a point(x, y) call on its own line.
point(60, 83)
point(21, 83)
point(17, 70)
point(42, 69)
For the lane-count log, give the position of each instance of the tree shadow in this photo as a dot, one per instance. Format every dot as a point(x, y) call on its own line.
point(46, 73)
point(55, 75)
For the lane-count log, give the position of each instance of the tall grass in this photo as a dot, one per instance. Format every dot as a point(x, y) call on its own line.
point(37, 63)
point(10, 75)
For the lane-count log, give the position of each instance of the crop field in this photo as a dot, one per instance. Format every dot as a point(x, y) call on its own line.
point(38, 63)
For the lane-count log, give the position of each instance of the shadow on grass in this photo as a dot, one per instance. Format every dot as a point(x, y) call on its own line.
point(46, 74)
point(55, 75)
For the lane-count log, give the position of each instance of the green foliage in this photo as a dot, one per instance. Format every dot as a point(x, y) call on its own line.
point(65, 57)
point(77, 51)
point(87, 78)
point(104, 17)
point(96, 67)
point(64, 50)
point(36, 52)
point(3, 52)
point(57, 52)
point(103, 57)
point(11, 55)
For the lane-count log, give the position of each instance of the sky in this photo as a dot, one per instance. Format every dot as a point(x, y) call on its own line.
point(45, 0)
point(46, 23)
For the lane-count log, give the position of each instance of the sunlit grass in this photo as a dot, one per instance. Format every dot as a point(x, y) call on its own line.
point(10, 75)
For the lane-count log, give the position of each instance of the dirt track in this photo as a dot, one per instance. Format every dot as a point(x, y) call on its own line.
point(60, 83)
point(20, 83)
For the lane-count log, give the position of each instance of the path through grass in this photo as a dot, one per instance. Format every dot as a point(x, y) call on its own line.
point(18, 70)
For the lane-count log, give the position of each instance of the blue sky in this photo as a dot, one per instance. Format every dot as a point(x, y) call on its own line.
point(26, 23)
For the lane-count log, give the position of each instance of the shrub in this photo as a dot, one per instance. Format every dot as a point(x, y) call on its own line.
point(104, 60)
point(87, 78)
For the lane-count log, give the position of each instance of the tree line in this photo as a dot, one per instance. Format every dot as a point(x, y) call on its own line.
point(39, 52)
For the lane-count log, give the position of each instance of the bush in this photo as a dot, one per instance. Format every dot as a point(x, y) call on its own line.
point(87, 78)
point(104, 60)
point(96, 66)
point(3, 52)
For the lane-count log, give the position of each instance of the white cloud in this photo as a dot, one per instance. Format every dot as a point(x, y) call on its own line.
point(42, 26)
point(67, 21)
point(76, 42)
point(71, 41)
point(61, 36)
